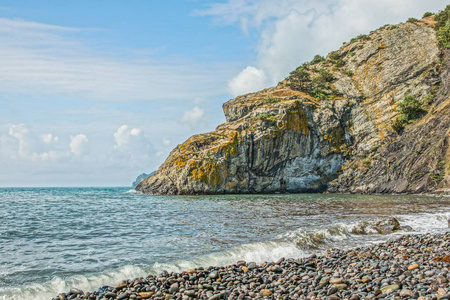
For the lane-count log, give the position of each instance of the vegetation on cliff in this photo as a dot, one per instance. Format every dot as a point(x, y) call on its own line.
point(409, 110)
point(443, 27)
point(370, 117)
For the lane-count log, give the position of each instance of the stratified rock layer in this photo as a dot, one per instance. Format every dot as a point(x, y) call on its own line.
point(284, 140)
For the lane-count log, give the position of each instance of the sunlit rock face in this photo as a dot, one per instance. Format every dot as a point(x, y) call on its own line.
point(338, 139)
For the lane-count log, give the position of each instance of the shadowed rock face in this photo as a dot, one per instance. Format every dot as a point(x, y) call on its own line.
point(285, 140)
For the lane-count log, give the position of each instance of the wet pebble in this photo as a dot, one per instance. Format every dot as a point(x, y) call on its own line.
point(409, 267)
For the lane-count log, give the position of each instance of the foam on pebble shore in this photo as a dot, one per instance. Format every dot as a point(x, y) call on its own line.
point(411, 266)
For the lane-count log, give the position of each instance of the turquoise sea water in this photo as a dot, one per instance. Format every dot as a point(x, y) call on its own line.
point(52, 239)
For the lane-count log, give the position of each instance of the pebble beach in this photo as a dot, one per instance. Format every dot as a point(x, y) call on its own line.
point(406, 267)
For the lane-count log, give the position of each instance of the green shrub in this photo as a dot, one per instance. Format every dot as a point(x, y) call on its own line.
point(317, 85)
point(427, 14)
point(428, 99)
point(317, 59)
point(271, 99)
point(442, 27)
point(334, 55)
point(443, 36)
point(412, 20)
point(267, 117)
point(360, 37)
point(324, 76)
point(336, 58)
point(300, 78)
point(411, 107)
point(409, 110)
point(348, 72)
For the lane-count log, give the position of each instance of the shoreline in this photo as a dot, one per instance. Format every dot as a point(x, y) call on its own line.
point(413, 266)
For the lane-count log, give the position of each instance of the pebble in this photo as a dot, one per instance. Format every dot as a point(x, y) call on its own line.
point(265, 292)
point(336, 280)
point(146, 295)
point(173, 288)
point(251, 266)
point(122, 296)
point(406, 293)
point(190, 293)
point(406, 267)
point(389, 289)
point(324, 281)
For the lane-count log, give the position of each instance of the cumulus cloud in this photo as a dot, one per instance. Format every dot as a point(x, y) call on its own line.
point(290, 32)
point(124, 135)
point(194, 117)
point(78, 144)
point(49, 138)
point(248, 80)
point(24, 144)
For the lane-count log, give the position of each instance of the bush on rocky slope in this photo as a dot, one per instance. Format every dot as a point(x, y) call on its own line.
point(443, 27)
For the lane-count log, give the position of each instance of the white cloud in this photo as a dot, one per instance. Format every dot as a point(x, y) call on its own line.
point(124, 135)
point(194, 117)
point(166, 142)
point(78, 144)
point(42, 58)
point(291, 32)
point(248, 80)
point(23, 144)
point(43, 161)
point(49, 138)
point(20, 132)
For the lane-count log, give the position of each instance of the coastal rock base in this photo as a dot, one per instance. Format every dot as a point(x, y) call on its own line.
point(410, 267)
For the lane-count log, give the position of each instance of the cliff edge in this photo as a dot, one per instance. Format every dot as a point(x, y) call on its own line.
point(371, 117)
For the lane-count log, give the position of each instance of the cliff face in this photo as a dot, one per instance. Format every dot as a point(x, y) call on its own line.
point(328, 127)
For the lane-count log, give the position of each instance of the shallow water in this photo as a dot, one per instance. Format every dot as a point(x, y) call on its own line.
point(52, 239)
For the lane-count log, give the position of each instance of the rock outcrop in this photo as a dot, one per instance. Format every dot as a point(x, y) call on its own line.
point(140, 178)
point(328, 127)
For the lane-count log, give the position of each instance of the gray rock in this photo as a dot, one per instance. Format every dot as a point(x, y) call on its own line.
point(300, 144)
point(387, 226)
point(190, 293)
point(213, 275)
point(174, 288)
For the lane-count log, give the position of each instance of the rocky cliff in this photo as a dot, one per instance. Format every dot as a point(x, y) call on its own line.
point(335, 124)
point(141, 177)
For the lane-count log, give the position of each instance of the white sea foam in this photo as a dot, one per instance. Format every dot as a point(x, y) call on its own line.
point(256, 252)
point(426, 222)
point(57, 285)
point(132, 191)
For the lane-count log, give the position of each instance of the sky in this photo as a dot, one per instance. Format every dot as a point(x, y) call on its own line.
point(95, 92)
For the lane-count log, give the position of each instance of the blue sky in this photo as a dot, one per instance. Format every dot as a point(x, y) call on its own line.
point(93, 93)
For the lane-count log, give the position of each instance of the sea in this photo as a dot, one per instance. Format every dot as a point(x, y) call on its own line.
point(54, 239)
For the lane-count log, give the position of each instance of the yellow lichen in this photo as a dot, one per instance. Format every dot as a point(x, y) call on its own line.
point(230, 185)
point(296, 120)
point(336, 138)
point(208, 171)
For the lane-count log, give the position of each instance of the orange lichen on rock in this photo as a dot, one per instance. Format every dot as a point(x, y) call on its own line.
point(208, 171)
point(296, 120)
